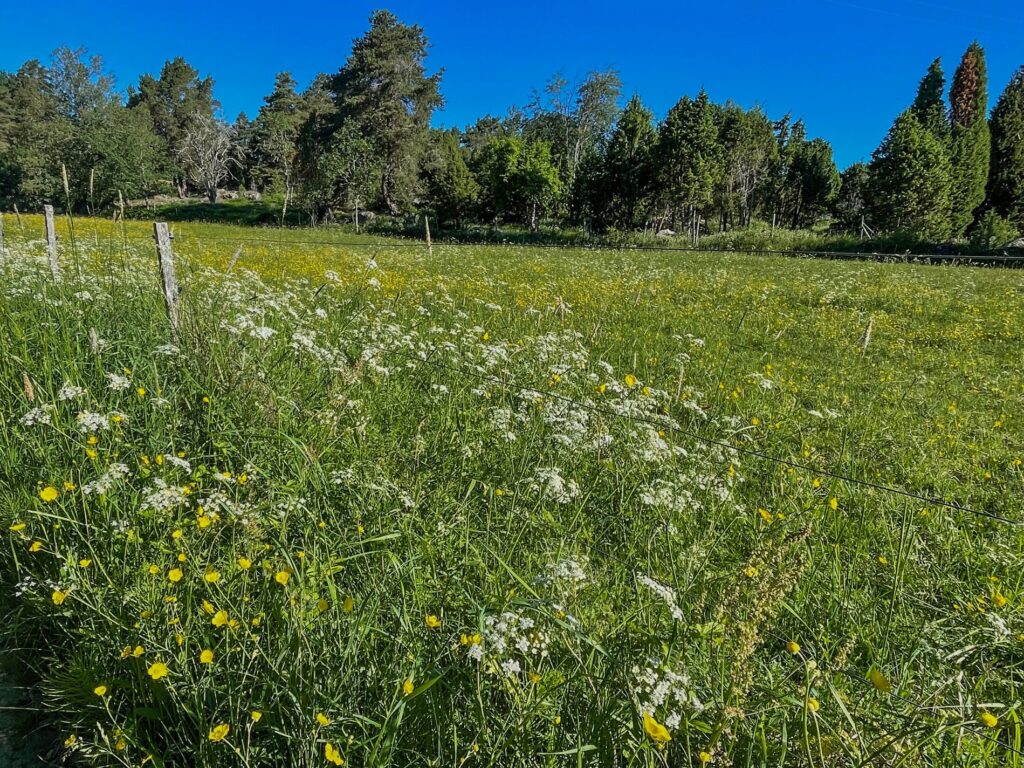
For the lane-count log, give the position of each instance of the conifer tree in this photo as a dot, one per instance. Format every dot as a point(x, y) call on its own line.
point(969, 140)
point(928, 107)
point(1006, 185)
point(909, 184)
point(627, 177)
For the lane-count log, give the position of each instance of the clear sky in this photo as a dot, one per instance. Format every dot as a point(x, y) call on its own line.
point(847, 66)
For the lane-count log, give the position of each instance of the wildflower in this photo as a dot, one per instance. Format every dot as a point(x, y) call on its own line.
point(48, 494)
point(174, 575)
point(323, 719)
point(212, 577)
point(432, 621)
point(999, 600)
point(833, 503)
point(220, 618)
point(631, 381)
point(141, 391)
point(407, 686)
point(158, 670)
point(35, 546)
point(704, 757)
point(218, 732)
point(256, 715)
point(206, 657)
point(880, 681)
point(100, 690)
point(332, 755)
point(15, 527)
point(58, 597)
point(244, 563)
point(281, 577)
point(659, 733)
point(765, 515)
point(793, 647)
point(176, 534)
point(70, 741)
point(813, 704)
point(988, 719)
point(84, 562)
point(750, 572)
point(348, 604)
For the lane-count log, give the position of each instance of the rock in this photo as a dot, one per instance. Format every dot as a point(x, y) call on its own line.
point(666, 233)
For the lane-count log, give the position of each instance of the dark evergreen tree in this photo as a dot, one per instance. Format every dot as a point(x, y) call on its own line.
point(451, 189)
point(909, 184)
point(850, 207)
point(385, 91)
point(627, 173)
point(969, 141)
point(929, 107)
point(1006, 181)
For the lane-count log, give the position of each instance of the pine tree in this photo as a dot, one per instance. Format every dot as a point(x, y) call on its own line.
point(909, 184)
point(626, 181)
point(1006, 184)
point(970, 141)
point(451, 188)
point(928, 107)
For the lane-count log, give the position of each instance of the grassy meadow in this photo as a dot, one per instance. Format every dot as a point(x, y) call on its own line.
point(506, 506)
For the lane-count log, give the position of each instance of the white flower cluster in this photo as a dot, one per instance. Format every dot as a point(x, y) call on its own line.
point(664, 693)
point(118, 382)
point(163, 496)
point(565, 573)
point(89, 421)
point(70, 392)
point(552, 486)
point(41, 415)
point(666, 593)
point(508, 633)
point(114, 474)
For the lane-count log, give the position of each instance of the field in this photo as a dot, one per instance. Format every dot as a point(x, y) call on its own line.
point(504, 506)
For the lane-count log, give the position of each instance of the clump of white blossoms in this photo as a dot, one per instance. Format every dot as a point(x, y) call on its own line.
point(511, 639)
point(566, 574)
point(163, 496)
point(70, 392)
point(41, 415)
point(664, 694)
point(666, 593)
point(89, 421)
point(548, 481)
point(118, 382)
point(101, 486)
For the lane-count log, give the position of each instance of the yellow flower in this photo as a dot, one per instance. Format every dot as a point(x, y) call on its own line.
point(833, 503)
point(765, 515)
point(141, 391)
point(793, 647)
point(48, 494)
point(988, 719)
point(332, 755)
point(256, 715)
point(212, 577)
point(244, 563)
point(999, 600)
point(174, 575)
point(281, 577)
point(218, 732)
point(137, 651)
point(880, 681)
point(35, 546)
point(84, 562)
point(813, 704)
point(69, 742)
point(58, 597)
point(348, 604)
point(153, 570)
point(176, 534)
point(158, 670)
point(658, 732)
point(69, 486)
point(630, 382)
point(407, 686)
point(705, 757)
point(473, 639)
point(17, 527)
point(323, 719)
point(432, 621)
point(322, 605)
point(750, 571)
point(220, 618)
point(206, 657)
point(100, 690)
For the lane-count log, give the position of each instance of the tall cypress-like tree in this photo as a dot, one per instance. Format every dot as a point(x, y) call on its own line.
point(928, 107)
point(909, 184)
point(627, 169)
point(970, 140)
point(1006, 181)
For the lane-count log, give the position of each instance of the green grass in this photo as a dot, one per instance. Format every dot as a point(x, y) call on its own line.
point(430, 459)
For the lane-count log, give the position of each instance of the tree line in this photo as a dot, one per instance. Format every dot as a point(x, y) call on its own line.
point(361, 139)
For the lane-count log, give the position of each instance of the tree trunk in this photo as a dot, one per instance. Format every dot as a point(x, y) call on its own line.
point(211, 194)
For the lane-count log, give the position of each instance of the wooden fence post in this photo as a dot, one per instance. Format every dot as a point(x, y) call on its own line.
point(51, 241)
point(1, 234)
point(426, 227)
point(170, 284)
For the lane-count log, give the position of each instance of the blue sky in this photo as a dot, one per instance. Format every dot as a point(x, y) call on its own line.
point(847, 66)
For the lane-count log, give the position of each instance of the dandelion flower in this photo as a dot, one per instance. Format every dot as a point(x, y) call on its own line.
point(17, 527)
point(348, 604)
point(48, 494)
point(219, 732)
point(658, 732)
point(84, 562)
point(69, 742)
point(158, 670)
point(813, 704)
point(244, 563)
point(174, 575)
point(212, 577)
point(281, 577)
point(704, 757)
point(793, 647)
point(35, 546)
point(833, 503)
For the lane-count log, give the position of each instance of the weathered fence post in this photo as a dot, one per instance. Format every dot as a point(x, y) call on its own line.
point(51, 241)
point(426, 227)
point(1, 234)
point(170, 284)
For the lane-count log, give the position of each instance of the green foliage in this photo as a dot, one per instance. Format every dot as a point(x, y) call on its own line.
point(910, 181)
point(384, 90)
point(970, 141)
point(624, 179)
point(851, 204)
point(451, 189)
point(519, 180)
point(992, 231)
point(929, 107)
point(1006, 182)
